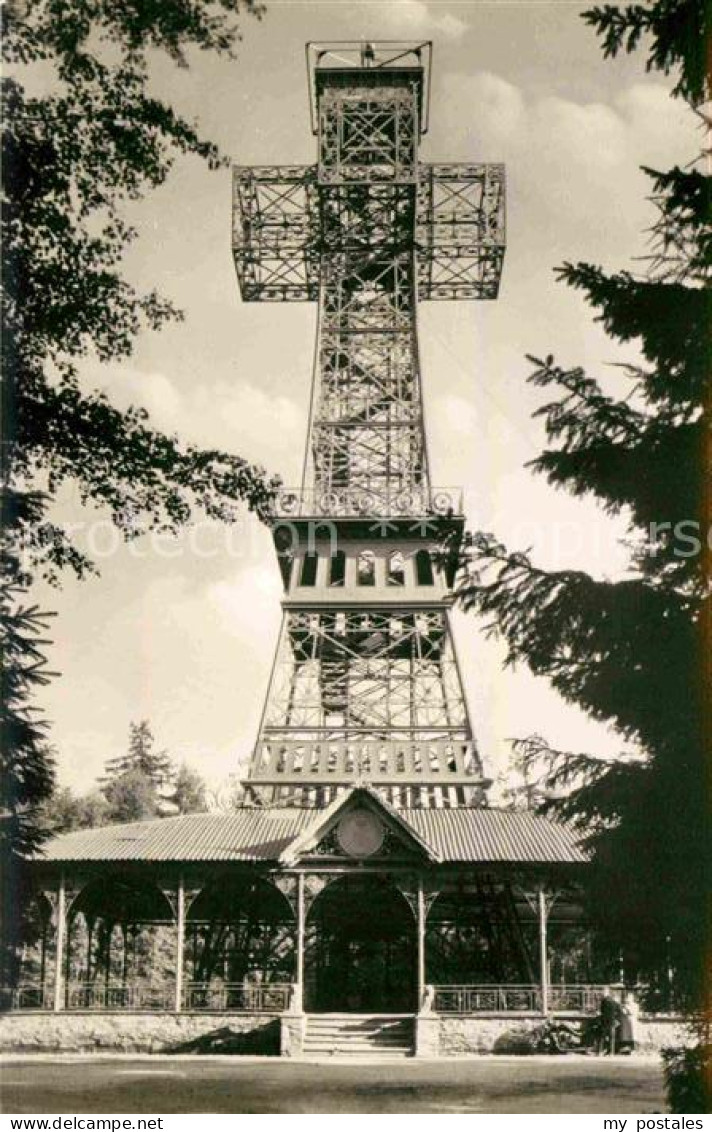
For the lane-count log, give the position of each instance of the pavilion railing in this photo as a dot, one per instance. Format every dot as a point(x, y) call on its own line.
point(133, 996)
point(26, 996)
point(269, 998)
point(88, 996)
point(578, 999)
point(520, 998)
point(221, 997)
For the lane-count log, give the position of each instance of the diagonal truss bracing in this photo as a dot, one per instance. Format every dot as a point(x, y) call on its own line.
point(370, 674)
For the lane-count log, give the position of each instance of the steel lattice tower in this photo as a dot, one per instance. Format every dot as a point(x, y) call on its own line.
point(365, 686)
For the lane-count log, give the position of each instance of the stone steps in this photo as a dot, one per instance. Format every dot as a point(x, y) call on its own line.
point(351, 1035)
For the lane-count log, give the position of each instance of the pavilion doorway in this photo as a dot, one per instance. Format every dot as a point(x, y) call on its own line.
point(360, 949)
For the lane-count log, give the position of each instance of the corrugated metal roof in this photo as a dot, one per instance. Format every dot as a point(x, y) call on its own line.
point(496, 836)
point(468, 835)
point(246, 835)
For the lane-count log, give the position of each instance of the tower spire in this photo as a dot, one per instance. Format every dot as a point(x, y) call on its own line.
point(365, 685)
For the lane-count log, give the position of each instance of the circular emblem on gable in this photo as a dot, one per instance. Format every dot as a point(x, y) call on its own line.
point(360, 833)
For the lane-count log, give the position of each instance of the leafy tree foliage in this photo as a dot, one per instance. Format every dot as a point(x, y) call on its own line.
point(189, 791)
point(66, 811)
point(71, 159)
point(82, 136)
point(132, 796)
point(633, 652)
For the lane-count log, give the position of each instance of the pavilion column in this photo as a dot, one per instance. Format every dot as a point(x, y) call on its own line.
point(107, 962)
point(124, 954)
point(180, 943)
point(421, 944)
point(60, 934)
point(43, 960)
point(90, 942)
point(298, 1002)
point(427, 1023)
point(543, 913)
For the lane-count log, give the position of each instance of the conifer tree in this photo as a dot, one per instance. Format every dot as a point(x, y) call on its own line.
point(634, 652)
point(26, 760)
point(141, 758)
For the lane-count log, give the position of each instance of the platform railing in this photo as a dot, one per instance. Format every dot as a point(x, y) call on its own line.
point(381, 499)
point(521, 998)
point(280, 759)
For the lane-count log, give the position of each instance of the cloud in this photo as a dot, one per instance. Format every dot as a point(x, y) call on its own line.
point(575, 192)
point(663, 128)
point(415, 16)
point(244, 603)
point(592, 135)
point(498, 106)
point(456, 415)
point(450, 26)
point(570, 160)
point(237, 417)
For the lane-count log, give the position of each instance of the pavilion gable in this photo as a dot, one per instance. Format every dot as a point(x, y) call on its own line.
point(359, 824)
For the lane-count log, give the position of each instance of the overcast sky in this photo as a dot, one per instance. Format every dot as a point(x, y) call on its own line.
point(183, 633)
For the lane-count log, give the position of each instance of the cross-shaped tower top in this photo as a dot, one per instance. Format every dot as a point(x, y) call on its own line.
point(366, 682)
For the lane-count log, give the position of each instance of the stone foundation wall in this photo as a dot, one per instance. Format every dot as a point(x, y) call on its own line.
point(656, 1033)
point(436, 1035)
point(463, 1035)
point(140, 1033)
point(460, 1036)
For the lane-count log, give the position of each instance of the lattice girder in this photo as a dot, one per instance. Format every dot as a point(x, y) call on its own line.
point(368, 133)
point(366, 376)
point(358, 441)
point(383, 674)
point(275, 223)
point(362, 217)
point(460, 231)
point(452, 216)
point(368, 291)
point(369, 459)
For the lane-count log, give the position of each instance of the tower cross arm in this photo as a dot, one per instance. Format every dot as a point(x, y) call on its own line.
point(460, 230)
point(458, 236)
point(275, 232)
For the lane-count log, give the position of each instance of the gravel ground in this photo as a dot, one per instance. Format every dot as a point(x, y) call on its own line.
point(263, 1085)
